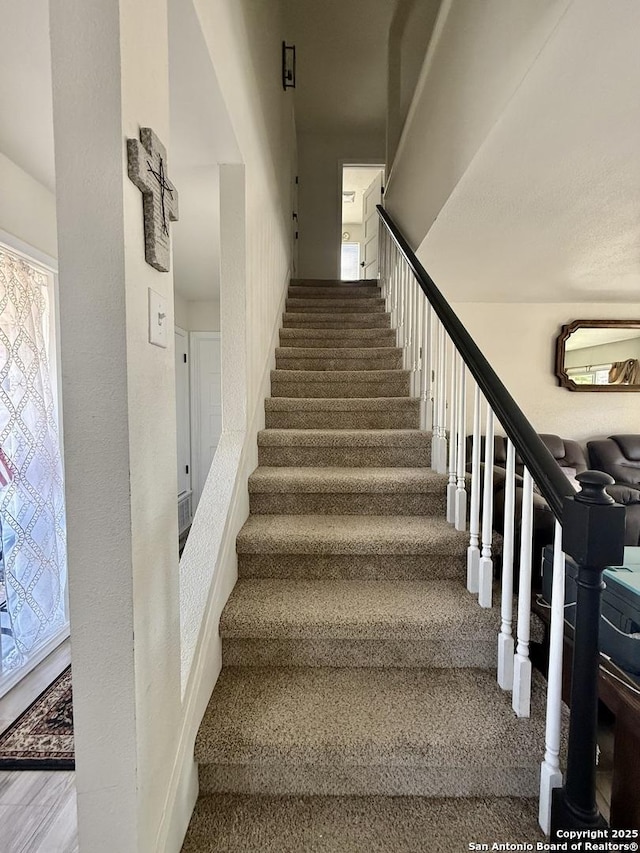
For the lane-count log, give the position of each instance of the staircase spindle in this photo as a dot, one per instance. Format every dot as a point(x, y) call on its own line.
point(485, 567)
point(440, 403)
point(461, 490)
point(393, 275)
point(442, 442)
point(418, 299)
point(505, 637)
point(426, 405)
point(473, 551)
point(550, 773)
point(521, 662)
point(453, 429)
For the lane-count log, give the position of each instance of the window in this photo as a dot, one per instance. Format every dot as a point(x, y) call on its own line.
point(350, 261)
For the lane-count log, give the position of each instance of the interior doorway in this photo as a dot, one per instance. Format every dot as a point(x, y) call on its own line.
point(362, 187)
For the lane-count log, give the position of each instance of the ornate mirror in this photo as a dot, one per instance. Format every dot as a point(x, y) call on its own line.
point(599, 355)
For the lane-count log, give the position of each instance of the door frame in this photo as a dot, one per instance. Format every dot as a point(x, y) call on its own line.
point(362, 161)
point(196, 411)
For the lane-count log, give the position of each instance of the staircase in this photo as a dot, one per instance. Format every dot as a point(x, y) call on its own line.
point(357, 708)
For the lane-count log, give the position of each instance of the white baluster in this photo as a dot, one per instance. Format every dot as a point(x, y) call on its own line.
point(521, 662)
point(426, 406)
point(550, 773)
point(505, 637)
point(418, 298)
point(453, 429)
point(435, 433)
point(461, 490)
point(473, 551)
point(393, 275)
point(405, 317)
point(485, 567)
point(442, 439)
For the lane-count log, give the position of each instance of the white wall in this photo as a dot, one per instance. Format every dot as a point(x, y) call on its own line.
point(110, 75)
point(409, 38)
point(519, 341)
point(199, 315)
point(477, 58)
point(244, 43)
point(27, 208)
point(320, 205)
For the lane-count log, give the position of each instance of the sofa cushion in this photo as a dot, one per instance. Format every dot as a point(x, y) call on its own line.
point(610, 455)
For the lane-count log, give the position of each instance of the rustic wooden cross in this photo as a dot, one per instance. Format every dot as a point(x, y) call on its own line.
point(147, 162)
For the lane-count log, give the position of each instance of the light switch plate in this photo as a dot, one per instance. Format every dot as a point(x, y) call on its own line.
point(157, 319)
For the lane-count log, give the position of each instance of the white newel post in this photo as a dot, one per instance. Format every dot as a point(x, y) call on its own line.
point(505, 637)
point(485, 569)
point(522, 663)
point(461, 489)
point(453, 425)
point(550, 773)
point(473, 551)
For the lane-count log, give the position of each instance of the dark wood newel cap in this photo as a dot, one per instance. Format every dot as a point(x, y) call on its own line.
point(593, 484)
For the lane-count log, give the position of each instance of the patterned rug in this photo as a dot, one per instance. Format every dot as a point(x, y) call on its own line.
point(42, 737)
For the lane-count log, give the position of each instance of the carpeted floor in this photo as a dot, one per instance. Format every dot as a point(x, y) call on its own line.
point(42, 737)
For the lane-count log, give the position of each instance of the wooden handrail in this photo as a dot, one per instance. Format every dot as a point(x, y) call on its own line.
point(544, 469)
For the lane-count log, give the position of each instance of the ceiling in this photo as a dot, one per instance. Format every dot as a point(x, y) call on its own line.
point(26, 128)
point(341, 63)
point(585, 337)
point(549, 208)
point(201, 134)
point(356, 179)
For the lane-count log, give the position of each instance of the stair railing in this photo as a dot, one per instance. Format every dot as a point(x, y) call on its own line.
point(445, 365)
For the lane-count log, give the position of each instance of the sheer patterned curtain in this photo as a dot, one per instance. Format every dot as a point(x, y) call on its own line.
point(32, 519)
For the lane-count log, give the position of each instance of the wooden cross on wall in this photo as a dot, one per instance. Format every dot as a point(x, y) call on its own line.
point(147, 163)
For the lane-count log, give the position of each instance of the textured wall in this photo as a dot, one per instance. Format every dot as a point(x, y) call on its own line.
point(27, 208)
point(519, 341)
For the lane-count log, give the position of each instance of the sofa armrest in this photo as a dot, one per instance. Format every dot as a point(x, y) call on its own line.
point(623, 494)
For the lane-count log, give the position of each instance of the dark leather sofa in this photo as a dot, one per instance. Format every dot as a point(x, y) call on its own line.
point(569, 455)
point(619, 456)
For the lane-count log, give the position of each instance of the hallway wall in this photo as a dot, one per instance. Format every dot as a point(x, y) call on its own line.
point(321, 157)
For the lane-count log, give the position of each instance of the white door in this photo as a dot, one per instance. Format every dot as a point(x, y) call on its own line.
point(206, 406)
point(372, 197)
point(182, 412)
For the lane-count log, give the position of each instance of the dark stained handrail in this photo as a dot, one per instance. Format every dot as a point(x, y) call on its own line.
point(545, 471)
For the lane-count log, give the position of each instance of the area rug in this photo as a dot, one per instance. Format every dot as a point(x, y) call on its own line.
point(42, 737)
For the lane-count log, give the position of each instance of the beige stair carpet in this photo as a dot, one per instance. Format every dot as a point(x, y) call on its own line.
point(357, 709)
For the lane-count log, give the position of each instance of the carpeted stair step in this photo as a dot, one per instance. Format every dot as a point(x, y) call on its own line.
point(329, 448)
point(369, 305)
point(334, 282)
point(350, 547)
point(340, 337)
point(236, 823)
point(342, 413)
point(355, 731)
point(339, 383)
point(347, 491)
point(343, 358)
point(342, 292)
point(336, 321)
point(428, 623)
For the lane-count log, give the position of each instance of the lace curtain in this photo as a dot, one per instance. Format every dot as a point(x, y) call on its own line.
point(32, 519)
